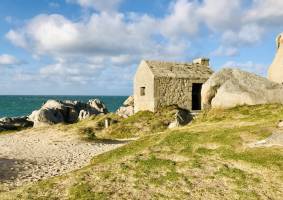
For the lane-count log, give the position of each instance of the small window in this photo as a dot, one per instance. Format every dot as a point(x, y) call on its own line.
point(142, 90)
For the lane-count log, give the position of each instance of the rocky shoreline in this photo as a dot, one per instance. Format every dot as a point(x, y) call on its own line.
point(55, 112)
point(44, 151)
point(68, 112)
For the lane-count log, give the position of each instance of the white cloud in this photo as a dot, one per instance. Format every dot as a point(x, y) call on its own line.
point(225, 51)
point(54, 34)
point(116, 34)
point(249, 66)
point(221, 14)
point(8, 60)
point(248, 34)
point(63, 72)
point(182, 19)
point(16, 38)
point(45, 33)
point(268, 12)
point(240, 22)
point(107, 41)
point(81, 50)
point(100, 5)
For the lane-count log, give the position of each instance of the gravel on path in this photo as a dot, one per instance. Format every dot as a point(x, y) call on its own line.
point(36, 154)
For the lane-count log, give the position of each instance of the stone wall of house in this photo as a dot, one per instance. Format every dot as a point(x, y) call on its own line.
point(144, 78)
point(178, 91)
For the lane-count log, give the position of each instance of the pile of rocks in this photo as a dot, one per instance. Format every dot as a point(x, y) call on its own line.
point(127, 109)
point(54, 112)
point(182, 118)
point(14, 123)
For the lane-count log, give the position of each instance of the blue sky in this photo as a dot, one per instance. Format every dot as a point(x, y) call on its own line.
point(93, 47)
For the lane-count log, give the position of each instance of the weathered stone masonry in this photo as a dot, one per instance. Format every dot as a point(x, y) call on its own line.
point(160, 84)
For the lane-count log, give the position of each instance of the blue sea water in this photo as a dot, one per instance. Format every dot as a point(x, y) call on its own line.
point(12, 106)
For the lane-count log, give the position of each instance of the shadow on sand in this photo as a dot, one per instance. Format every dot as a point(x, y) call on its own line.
point(10, 168)
point(109, 141)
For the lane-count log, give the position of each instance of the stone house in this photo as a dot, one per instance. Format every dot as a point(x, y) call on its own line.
point(158, 84)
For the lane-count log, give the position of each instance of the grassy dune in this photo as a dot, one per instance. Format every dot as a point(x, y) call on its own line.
point(208, 159)
point(141, 124)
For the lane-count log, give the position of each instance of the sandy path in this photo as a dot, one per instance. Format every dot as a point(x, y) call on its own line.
point(37, 154)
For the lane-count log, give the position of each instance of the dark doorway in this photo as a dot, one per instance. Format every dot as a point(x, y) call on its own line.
point(196, 96)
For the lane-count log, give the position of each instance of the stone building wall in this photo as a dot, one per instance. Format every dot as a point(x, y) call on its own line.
point(178, 91)
point(158, 84)
point(144, 78)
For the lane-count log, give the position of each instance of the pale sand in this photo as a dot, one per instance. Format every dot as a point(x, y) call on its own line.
point(37, 154)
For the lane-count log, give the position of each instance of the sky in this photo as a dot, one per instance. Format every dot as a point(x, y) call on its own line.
point(93, 47)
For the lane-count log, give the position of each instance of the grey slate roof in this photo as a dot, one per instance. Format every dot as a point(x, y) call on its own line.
point(178, 70)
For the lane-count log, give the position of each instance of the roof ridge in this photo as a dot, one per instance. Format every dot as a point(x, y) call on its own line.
point(171, 62)
point(178, 69)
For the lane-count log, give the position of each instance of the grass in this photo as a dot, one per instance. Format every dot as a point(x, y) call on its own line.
point(84, 191)
point(2, 132)
point(208, 159)
point(140, 124)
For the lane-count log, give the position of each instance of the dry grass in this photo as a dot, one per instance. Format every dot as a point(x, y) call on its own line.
point(208, 159)
point(141, 124)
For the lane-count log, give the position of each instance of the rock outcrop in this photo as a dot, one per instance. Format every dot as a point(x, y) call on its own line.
point(97, 106)
point(14, 123)
point(182, 118)
point(276, 139)
point(127, 109)
point(54, 112)
point(280, 124)
point(275, 71)
point(233, 87)
point(93, 107)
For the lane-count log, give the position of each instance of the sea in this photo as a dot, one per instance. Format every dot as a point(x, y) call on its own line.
point(14, 106)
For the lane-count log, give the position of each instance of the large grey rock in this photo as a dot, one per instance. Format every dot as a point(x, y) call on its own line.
point(97, 105)
point(182, 118)
point(14, 123)
point(84, 114)
point(54, 104)
point(280, 124)
point(129, 101)
point(276, 139)
point(127, 109)
point(125, 112)
point(65, 111)
point(275, 71)
point(54, 112)
point(45, 116)
point(233, 87)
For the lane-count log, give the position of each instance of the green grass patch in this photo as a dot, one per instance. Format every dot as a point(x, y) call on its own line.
point(265, 157)
point(206, 159)
point(84, 191)
point(237, 175)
